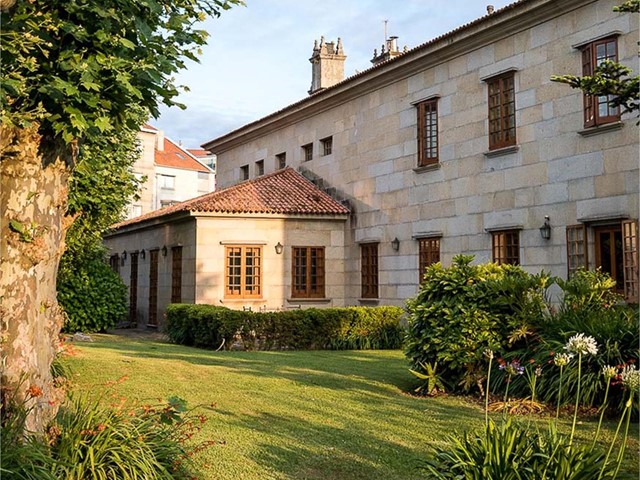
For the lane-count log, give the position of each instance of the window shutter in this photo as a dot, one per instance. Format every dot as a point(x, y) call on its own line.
point(589, 100)
point(630, 259)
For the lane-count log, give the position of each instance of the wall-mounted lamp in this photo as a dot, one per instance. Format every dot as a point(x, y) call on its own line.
point(164, 250)
point(143, 254)
point(395, 244)
point(279, 248)
point(545, 230)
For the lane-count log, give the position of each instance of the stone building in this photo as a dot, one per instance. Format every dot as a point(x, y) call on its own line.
point(464, 145)
point(459, 145)
point(172, 174)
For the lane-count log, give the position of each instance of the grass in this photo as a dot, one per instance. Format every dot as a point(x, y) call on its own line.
point(292, 415)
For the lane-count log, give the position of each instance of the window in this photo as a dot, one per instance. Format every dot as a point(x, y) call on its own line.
point(576, 248)
point(243, 267)
point(114, 263)
point(427, 132)
point(506, 247)
point(598, 110)
point(327, 145)
point(244, 172)
point(428, 254)
point(307, 152)
point(176, 274)
point(369, 266)
point(167, 182)
point(630, 260)
point(133, 288)
point(502, 111)
point(281, 160)
point(167, 203)
point(308, 272)
point(153, 289)
point(259, 168)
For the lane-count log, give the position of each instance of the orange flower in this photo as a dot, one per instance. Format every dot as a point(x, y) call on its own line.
point(35, 391)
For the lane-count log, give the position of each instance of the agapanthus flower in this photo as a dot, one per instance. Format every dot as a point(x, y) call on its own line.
point(630, 377)
point(488, 353)
point(582, 344)
point(562, 359)
point(609, 372)
point(512, 368)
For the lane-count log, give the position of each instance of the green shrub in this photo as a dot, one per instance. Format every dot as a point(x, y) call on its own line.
point(464, 309)
point(92, 295)
point(301, 329)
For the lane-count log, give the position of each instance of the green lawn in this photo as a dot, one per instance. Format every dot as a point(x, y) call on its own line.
point(291, 415)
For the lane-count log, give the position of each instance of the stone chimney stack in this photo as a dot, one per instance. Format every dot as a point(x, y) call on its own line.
point(388, 51)
point(327, 63)
point(160, 140)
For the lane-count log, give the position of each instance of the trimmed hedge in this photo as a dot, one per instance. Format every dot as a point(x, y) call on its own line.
point(349, 328)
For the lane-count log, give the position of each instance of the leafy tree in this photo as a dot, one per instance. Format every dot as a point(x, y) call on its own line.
point(92, 296)
point(610, 78)
point(72, 70)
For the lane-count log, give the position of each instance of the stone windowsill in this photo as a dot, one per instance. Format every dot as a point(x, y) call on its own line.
point(427, 168)
point(597, 130)
point(369, 301)
point(308, 300)
point(501, 151)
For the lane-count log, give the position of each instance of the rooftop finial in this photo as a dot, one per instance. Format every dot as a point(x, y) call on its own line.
point(489, 9)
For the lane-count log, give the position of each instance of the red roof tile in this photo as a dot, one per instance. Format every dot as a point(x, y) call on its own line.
point(199, 152)
point(282, 192)
point(175, 156)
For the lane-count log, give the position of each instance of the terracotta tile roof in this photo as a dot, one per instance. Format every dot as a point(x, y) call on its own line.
point(199, 152)
point(146, 126)
point(489, 16)
point(282, 192)
point(175, 156)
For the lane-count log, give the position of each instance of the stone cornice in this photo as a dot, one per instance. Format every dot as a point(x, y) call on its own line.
point(473, 36)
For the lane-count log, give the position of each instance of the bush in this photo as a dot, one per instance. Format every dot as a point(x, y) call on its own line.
point(303, 329)
point(92, 295)
point(464, 309)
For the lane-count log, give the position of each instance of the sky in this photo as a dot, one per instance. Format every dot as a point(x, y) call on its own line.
point(257, 58)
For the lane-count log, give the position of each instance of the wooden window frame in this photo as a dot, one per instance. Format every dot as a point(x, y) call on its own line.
point(610, 231)
point(114, 263)
point(630, 260)
point(154, 258)
point(307, 152)
point(577, 251)
point(591, 103)
point(244, 172)
point(428, 254)
point(259, 168)
point(369, 270)
point(176, 274)
point(307, 279)
point(243, 288)
point(501, 100)
point(428, 140)
point(281, 160)
point(327, 146)
point(505, 247)
point(133, 288)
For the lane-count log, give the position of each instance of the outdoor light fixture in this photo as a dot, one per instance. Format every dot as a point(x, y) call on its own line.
point(395, 244)
point(545, 230)
point(164, 250)
point(123, 257)
point(143, 254)
point(279, 248)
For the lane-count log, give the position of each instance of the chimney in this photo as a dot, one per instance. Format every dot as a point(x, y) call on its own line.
point(327, 65)
point(388, 51)
point(160, 141)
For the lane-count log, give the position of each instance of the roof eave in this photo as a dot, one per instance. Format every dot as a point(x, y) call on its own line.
point(470, 37)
